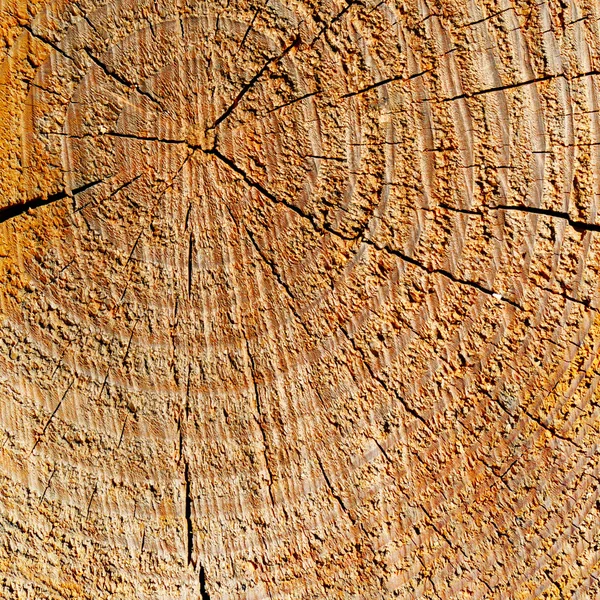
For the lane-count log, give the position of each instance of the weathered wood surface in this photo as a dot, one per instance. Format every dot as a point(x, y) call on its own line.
point(299, 300)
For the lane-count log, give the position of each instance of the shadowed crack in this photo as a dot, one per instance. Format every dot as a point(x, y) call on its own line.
point(293, 101)
point(409, 409)
point(335, 19)
point(333, 493)
point(48, 42)
point(385, 82)
point(47, 486)
point(122, 80)
point(248, 86)
point(111, 195)
point(116, 134)
point(443, 272)
point(14, 210)
point(270, 196)
point(89, 507)
point(577, 225)
point(518, 84)
point(188, 514)
point(204, 595)
point(277, 276)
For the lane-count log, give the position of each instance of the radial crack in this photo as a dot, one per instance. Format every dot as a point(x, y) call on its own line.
point(577, 225)
point(270, 196)
point(49, 421)
point(122, 80)
point(402, 78)
point(443, 272)
point(333, 493)
point(188, 514)
point(48, 42)
point(293, 101)
point(248, 86)
point(259, 419)
point(14, 210)
point(278, 278)
point(409, 409)
point(204, 595)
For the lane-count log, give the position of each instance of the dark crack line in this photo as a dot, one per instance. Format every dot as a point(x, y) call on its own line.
point(89, 507)
point(190, 264)
point(349, 5)
point(484, 19)
point(251, 25)
point(122, 80)
point(48, 42)
point(549, 428)
point(511, 86)
point(293, 101)
point(277, 276)
point(579, 226)
point(442, 272)
point(116, 134)
point(463, 211)
point(382, 383)
point(373, 86)
point(259, 419)
point(204, 595)
point(321, 157)
point(129, 342)
point(47, 486)
point(444, 536)
point(333, 493)
point(501, 88)
point(565, 296)
point(188, 514)
point(122, 432)
point(49, 421)
point(111, 195)
point(14, 210)
point(270, 196)
point(382, 450)
point(142, 545)
point(248, 86)
point(158, 199)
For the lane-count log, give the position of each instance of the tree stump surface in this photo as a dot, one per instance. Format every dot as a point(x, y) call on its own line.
point(299, 299)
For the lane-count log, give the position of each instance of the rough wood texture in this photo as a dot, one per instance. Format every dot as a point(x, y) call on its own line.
point(299, 300)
